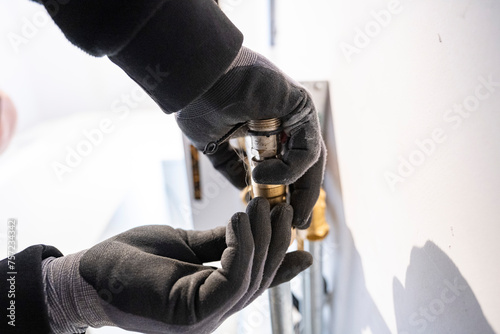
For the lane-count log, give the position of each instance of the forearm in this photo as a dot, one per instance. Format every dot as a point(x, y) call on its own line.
point(174, 49)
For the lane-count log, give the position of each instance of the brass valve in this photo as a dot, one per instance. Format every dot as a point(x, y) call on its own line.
point(264, 143)
point(264, 147)
point(319, 227)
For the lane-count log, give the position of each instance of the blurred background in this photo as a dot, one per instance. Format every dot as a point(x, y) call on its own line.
point(413, 132)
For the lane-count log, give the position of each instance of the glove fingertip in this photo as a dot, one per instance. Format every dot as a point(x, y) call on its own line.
point(258, 204)
point(238, 230)
point(274, 171)
point(306, 259)
point(301, 223)
point(283, 213)
point(293, 264)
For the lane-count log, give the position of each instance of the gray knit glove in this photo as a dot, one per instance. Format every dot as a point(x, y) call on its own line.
point(253, 88)
point(152, 279)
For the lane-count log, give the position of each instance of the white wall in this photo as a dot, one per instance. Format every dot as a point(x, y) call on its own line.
point(439, 221)
point(48, 77)
point(418, 251)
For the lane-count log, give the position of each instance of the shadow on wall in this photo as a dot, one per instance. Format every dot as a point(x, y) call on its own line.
point(436, 298)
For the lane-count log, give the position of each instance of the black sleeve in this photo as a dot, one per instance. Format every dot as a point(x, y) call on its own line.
point(22, 298)
point(174, 49)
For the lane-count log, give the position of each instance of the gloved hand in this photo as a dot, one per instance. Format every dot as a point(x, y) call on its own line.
point(152, 279)
point(253, 88)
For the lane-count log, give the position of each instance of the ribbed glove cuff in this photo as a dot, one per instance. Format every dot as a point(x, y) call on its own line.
point(245, 57)
point(72, 303)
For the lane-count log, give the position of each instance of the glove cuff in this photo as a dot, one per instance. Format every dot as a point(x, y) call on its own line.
point(245, 57)
point(72, 303)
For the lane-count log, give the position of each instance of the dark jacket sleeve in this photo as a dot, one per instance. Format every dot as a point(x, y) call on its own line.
point(174, 49)
point(22, 298)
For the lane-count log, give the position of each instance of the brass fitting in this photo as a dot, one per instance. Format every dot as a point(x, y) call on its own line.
point(264, 143)
point(264, 147)
point(319, 227)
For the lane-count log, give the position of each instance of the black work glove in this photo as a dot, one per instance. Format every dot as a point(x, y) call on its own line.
point(152, 279)
point(253, 88)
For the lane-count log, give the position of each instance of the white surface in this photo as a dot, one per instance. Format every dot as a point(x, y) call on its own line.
point(397, 91)
point(46, 76)
point(72, 211)
point(60, 93)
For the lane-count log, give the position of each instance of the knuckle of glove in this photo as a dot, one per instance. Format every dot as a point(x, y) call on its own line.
point(255, 91)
